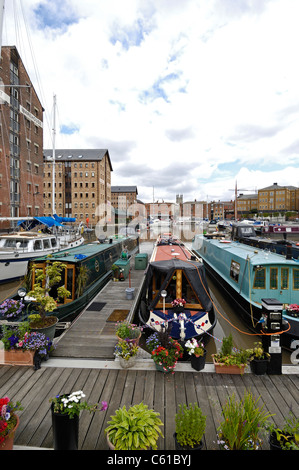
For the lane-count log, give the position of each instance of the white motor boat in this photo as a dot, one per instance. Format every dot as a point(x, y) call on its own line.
point(17, 248)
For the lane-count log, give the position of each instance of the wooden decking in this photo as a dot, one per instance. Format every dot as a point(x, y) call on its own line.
point(84, 360)
point(91, 335)
point(119, 387)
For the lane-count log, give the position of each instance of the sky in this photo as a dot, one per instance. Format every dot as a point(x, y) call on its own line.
point(189, 96)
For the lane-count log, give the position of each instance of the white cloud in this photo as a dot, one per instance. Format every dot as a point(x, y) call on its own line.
point(206, 90)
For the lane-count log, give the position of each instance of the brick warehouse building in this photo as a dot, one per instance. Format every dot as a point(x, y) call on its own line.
point(21, 140)
point(82, 182)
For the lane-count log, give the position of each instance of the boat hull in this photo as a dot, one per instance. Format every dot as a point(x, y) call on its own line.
point(13, 266)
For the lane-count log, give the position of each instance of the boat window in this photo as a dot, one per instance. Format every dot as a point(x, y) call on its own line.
point(53, 242)
point(12, 243)
point(35, 267)
point(296, 279)
point(37, 245)
point(46, 244)
point(234, 270)
point(70, 284)
point(284, 278)
point(259, 278)
point(273, 278)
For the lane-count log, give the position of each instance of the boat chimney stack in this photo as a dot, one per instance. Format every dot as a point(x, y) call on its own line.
point(289, 252)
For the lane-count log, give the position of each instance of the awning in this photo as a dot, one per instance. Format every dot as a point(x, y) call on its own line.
point(47, 221)
point(64, 219)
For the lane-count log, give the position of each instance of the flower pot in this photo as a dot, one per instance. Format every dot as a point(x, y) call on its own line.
point(131, 340)
point(8, 442)
point(198, 362)
point(259, 366)
point(110, 445)
point(48, 331)
point(228, 369)
point(65, 431)
point(19, 357)
point(178, 446)
point(126, 364)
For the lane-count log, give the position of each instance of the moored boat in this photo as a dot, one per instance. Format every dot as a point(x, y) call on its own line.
point(18, 248)
point(175, 276)
point(88, 269)
point(248, 274)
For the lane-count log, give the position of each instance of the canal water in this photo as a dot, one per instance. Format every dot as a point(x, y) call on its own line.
point(228, 320)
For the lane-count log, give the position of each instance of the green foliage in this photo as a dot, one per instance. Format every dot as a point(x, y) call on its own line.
point(242, 422)
point(44, 283)
point(258, 352)
point(126, 350)
point(134, 429)
point(127, 330)
point(190, 425)
point(230, 356)
point(288, 435)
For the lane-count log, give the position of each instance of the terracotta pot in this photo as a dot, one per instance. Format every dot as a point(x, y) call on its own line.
point(132, 340)
point(8, 442)
point(228, 369)
point(19, 357)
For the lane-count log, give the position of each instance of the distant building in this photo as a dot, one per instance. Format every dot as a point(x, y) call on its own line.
point(21, 140)
point(82, 183)
point(123, 196)
point(274, 198)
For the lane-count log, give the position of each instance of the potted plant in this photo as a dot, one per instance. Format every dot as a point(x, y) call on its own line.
point(190, 425)
point(115, 272)
point(230, 360)
point(136, 428)
point(242, 423)
point(126, 331)
point(178, 305)
point(21, 345)
point(126, 351)
point(11, 308)
point(65, 411)
point(9, 422)
point(43, 302)
point(165, 351)
point(259, 359)
point(286, 437)
point(197, 352)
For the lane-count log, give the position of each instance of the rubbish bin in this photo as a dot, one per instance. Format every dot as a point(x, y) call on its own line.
point(130, 293)
point(141, 261)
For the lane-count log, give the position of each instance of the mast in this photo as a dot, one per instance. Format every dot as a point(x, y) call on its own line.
point(53, 155)
point(2, 2)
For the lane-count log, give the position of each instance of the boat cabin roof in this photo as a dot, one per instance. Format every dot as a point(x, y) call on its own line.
point(256, 255)
point(76, 254)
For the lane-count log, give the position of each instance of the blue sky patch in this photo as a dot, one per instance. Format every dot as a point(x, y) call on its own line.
point(69, 130)
point(55, 15)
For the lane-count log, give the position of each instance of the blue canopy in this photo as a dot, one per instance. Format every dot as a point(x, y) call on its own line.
point(48, 221)
point(64, 219)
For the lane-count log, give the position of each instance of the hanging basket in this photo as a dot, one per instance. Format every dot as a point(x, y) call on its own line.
point(65, 431)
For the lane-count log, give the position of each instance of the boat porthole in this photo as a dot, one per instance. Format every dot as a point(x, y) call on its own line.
point(96, 265)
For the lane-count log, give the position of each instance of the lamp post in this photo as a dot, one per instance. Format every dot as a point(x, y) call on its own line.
point(163, 295)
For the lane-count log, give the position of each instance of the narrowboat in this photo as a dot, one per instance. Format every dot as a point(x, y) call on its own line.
point(88, 269)
point(247, 275)
point(246, 234)
point(175, 276)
